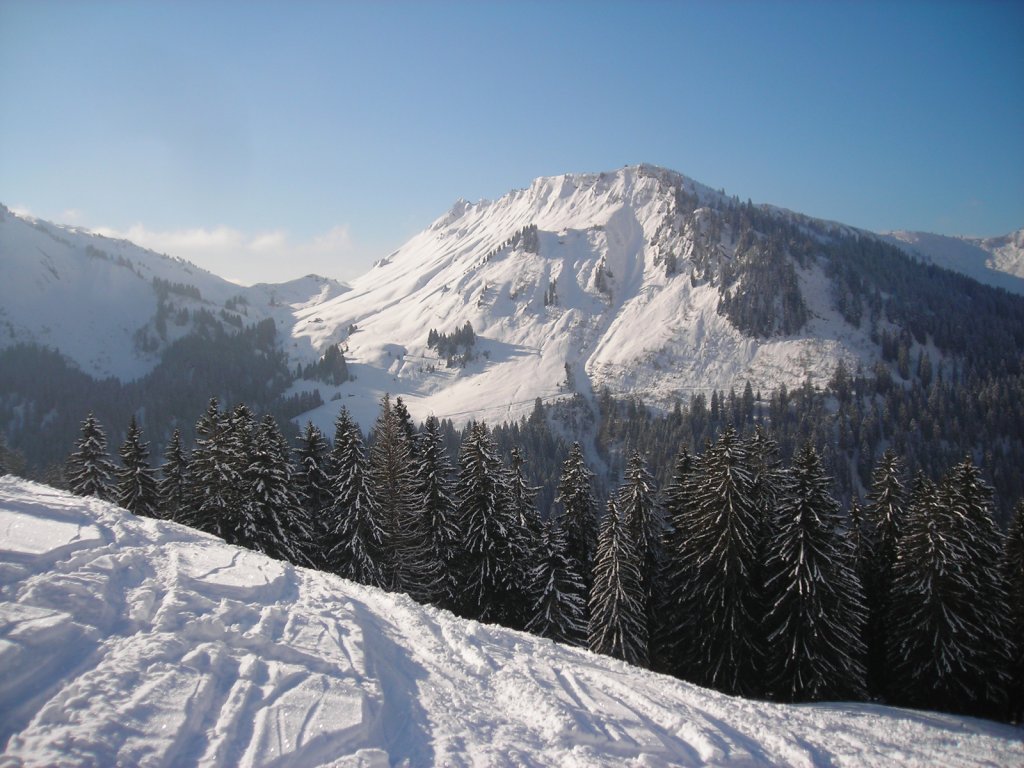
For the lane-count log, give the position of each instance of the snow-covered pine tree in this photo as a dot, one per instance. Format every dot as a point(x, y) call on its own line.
point(618, 610)
point(1013, 578)
point(490, 548)
point(970, 500)
point(238, 523)
point(215, 474)
point(313, 485)
point(136, 488)
point(408, 427)
point(579, 515)
point(173, 485)
point(527, 529)
point(434, 497)
point(560, 596)
point(884, 519)
point(769, 478)
point(667, 631)
point(273, 519)
point(817, 609)
point(89, 468)
point(947, 606)
point(637, 500)
point(722, 598)
point(767, 472)
point(358, 548)
point(392, 477)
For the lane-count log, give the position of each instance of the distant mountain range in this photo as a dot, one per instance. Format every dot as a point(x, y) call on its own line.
point(112, 307)
point(997, 261)
point(639, 281)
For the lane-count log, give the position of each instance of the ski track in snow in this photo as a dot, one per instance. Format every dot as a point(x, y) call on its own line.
point(126, 641)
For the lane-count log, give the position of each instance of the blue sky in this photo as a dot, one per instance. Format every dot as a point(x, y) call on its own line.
point(266, 140)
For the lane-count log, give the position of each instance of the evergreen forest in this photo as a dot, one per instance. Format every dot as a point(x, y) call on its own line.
point(740, 563)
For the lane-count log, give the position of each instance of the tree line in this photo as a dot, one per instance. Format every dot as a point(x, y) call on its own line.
point(742, 573)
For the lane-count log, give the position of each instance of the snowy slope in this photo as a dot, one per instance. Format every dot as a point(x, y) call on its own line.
point(134, 642)
point(93, 299)
point(997, 261)
point(620, 320)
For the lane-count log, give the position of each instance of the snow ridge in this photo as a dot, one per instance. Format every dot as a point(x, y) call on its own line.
point(996, 261)
point(601, 295)
point(95, 299)
point(125, 640)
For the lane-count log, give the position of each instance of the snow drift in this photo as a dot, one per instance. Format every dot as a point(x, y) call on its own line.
point(130, 641)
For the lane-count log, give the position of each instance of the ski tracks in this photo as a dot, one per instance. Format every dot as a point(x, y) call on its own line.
point(125, 646)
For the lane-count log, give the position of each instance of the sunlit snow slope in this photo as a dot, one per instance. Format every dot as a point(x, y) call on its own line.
point(997, 261)
point(590, 303)
point(126, 641)
point(94, 298)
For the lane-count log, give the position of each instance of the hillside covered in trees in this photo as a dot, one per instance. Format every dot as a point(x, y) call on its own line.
point(742, 572)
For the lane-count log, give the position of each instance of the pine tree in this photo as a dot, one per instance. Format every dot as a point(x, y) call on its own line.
point(618, 611)
point(313, 486)
point(273, 521)
point(173, 486)
point(358, 547)
point(948, 610)
point(527, 530)
point(4, 469)
point(638, 505)
point(392, 476)
point(817, 609)
point(215, 474)
point(668, 639)
point(722, 598)
point(89, 468)
point(434, 497)
point(560, 597)
point(1013, 578)
point(408, 428)
point(579, 516)
point(136, 488)
point(884, 519)
point(490, 547)
point(970, 500)
point(238, 523)
point(769, 478)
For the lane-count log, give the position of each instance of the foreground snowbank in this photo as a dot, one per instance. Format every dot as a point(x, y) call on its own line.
point(130, 641)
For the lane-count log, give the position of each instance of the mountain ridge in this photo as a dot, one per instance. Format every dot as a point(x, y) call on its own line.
point(996, 261)
point(641, 281)
point(113, 307)
point(598, 298)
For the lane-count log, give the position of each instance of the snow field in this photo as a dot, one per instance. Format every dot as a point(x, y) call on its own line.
point(136, 642)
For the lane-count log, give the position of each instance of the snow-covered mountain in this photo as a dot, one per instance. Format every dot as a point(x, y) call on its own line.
point(128, 641)
point(113, 307)
point(640, 281)
point(582, 282)
point(997, 261)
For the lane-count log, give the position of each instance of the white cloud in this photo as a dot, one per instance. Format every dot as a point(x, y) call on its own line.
point(72, 216)
point(250, 257)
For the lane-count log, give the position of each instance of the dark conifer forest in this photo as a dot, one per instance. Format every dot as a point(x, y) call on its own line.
point(726, 552)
